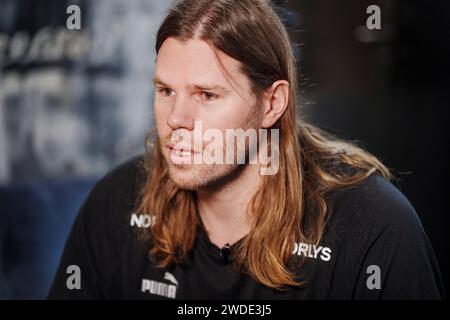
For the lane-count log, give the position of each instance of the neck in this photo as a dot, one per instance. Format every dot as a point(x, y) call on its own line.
point(223, 207)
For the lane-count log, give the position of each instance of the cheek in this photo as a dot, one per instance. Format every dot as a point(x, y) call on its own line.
point(233, 114)
point(161, 113)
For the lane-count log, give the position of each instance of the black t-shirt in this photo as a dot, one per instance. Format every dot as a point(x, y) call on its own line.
point(374, 247)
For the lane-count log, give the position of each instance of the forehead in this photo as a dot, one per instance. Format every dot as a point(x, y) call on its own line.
point(194, 61)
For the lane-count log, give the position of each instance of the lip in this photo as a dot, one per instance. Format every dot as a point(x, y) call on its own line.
point(180, 155)
point(171, 146)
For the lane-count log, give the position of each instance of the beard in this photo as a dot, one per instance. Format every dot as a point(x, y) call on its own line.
point(197, 176)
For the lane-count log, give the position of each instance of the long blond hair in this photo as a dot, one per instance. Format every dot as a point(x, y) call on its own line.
point(291, 205)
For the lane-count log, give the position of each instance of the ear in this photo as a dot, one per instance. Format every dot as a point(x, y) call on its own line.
point(276, 99)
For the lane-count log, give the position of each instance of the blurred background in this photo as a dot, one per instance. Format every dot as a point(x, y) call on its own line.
point(75, 103)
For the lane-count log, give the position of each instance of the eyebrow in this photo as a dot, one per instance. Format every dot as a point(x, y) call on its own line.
point(198, 86)
point(157, 81)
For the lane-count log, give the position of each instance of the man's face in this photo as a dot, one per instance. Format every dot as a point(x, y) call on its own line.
point(193, 94)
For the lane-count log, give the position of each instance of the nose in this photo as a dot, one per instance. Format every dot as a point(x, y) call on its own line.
point(180, 115)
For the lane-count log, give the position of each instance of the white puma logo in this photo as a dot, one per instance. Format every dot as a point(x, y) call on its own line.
point(161, 288)
point(171, 278)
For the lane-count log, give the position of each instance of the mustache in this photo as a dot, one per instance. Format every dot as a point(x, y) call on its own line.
point(171, 137)
point(163, 140)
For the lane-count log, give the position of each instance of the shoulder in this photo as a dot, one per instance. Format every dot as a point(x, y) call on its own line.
point(113, 198)
point(123, 179)
point(375, 203)
point(374, 224)
point(100, 235)
point(119, 188)
point(373, 212)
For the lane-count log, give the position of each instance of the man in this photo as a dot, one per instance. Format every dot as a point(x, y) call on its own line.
point(298, 215)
